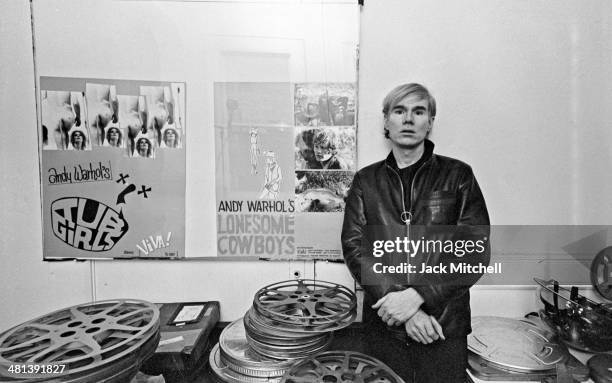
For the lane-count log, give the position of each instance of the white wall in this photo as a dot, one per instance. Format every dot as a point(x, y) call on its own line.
point(523, 89)
point(29, 286)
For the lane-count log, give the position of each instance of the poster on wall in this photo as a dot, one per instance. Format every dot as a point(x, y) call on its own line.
point(285, 159)
point(112, 168)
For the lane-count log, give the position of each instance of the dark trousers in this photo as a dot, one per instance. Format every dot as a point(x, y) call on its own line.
point(443, 361)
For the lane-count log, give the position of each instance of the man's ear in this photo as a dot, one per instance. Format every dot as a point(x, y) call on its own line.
point(431, 125)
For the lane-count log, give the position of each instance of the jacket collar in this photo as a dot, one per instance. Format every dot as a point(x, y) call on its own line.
point(427, 154)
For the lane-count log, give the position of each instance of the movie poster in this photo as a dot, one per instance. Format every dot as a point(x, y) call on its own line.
point(285, 159)
point(113, 168)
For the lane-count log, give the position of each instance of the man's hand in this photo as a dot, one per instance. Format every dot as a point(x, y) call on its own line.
point(397, 307)
point(424, 328)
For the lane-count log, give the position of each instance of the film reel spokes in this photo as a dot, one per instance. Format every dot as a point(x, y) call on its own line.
point(287, 322)
point(341, 366)
point(84, 339)
point(307, 305)
point(295, 319)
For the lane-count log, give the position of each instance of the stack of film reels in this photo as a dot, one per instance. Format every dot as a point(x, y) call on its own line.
point(289, 321)
point(340, 367)
point(104, 341)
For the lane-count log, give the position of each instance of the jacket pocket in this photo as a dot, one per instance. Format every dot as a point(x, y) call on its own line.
point(441, 208)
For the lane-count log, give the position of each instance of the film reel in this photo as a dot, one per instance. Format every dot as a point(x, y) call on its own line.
point(515, 345)
point(288, 320)
point(223, 374)
point(307, 305)
point(258, 325)
point(601, 273)
point(276, 343)
point(289, 352)
point(237, 355)
point(341, 366)
point(94, 341)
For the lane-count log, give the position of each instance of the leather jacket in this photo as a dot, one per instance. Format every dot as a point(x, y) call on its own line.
point(444, 192)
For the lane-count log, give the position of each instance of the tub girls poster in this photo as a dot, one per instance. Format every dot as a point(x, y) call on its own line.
point(112, 168)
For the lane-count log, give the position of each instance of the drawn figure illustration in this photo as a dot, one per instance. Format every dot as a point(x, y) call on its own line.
point(272, 177)
point(254, 150)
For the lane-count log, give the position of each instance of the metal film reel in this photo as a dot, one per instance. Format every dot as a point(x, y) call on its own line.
point(315, 305)
point(91, 340)
point(276, 343)
point(515, 345)
point(601, 273)
point(259, 326)
point(289, 352)
point(222, 373)
point(121, 370)
point(341, 367)
point(236, 354)
point(292, 320)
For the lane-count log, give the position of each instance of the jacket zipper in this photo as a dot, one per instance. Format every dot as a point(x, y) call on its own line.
point(406, 216)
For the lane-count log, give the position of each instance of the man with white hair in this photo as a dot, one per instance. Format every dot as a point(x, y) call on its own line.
point(417, 322)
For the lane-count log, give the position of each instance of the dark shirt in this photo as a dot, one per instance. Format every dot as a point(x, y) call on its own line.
point(407, 174)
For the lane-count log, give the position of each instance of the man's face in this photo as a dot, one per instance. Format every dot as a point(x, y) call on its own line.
point(409, 122)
